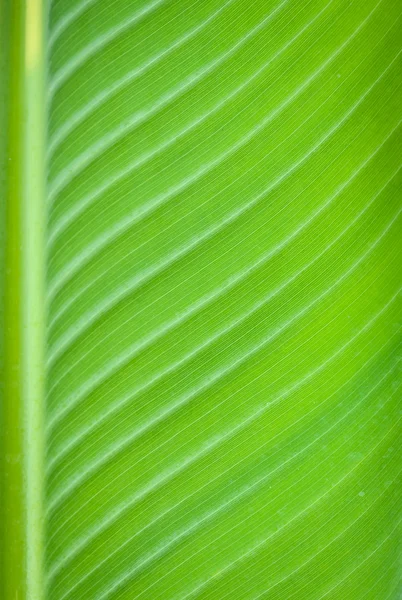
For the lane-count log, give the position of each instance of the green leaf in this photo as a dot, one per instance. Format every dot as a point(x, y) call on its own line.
point(211, 317)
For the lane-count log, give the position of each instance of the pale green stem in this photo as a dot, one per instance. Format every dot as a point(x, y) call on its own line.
point(21, 301)
point(33, 227)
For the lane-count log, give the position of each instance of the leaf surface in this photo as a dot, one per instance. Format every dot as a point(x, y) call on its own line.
point(223, 300)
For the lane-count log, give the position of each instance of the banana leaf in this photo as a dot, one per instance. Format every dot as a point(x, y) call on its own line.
point(201, 299)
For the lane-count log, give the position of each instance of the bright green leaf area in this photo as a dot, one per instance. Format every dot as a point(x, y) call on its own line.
point(223, 308)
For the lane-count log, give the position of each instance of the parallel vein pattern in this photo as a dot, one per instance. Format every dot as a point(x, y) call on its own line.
point(224, 300)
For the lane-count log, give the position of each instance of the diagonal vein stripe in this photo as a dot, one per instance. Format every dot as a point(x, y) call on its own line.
point(248, 490)
point(361, 563)
point(257, 547)
point(216, 442)
point(67, 20)
point(54, 355)
point(121, 402)
point(71, 171)
point(97, 44)
point(103, 96)
point(110, 235)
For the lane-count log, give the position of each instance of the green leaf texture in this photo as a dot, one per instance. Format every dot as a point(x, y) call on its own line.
point(223, 300)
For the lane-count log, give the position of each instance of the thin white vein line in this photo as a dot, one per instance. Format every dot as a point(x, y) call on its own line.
point(336, 538)
point(119, 404)
point(77, 481)
point(328, 545)
point(78, 116)
point(286, 429)
point(394, 589)
point(109, 236)
point(63, 307)
point(219, 375)
point(260, 544)
point(128, 398)
point(199, 348)
point(141, 211)
point(67, 19)
point(66, 175)
point(228, 286)
point(257, 546)
point(385, 573)
point(114, 515)
point(97, 44)
point(68, 556)
point(77, 263)
point(222, 372)
point(109, 90)
point(116, 448)
point(71, 270)
point(51, 357)
point(90, 317)
point(211, 514)
point(126, 289)
point(363, 562)
point(397, 588)
point(75, 167)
